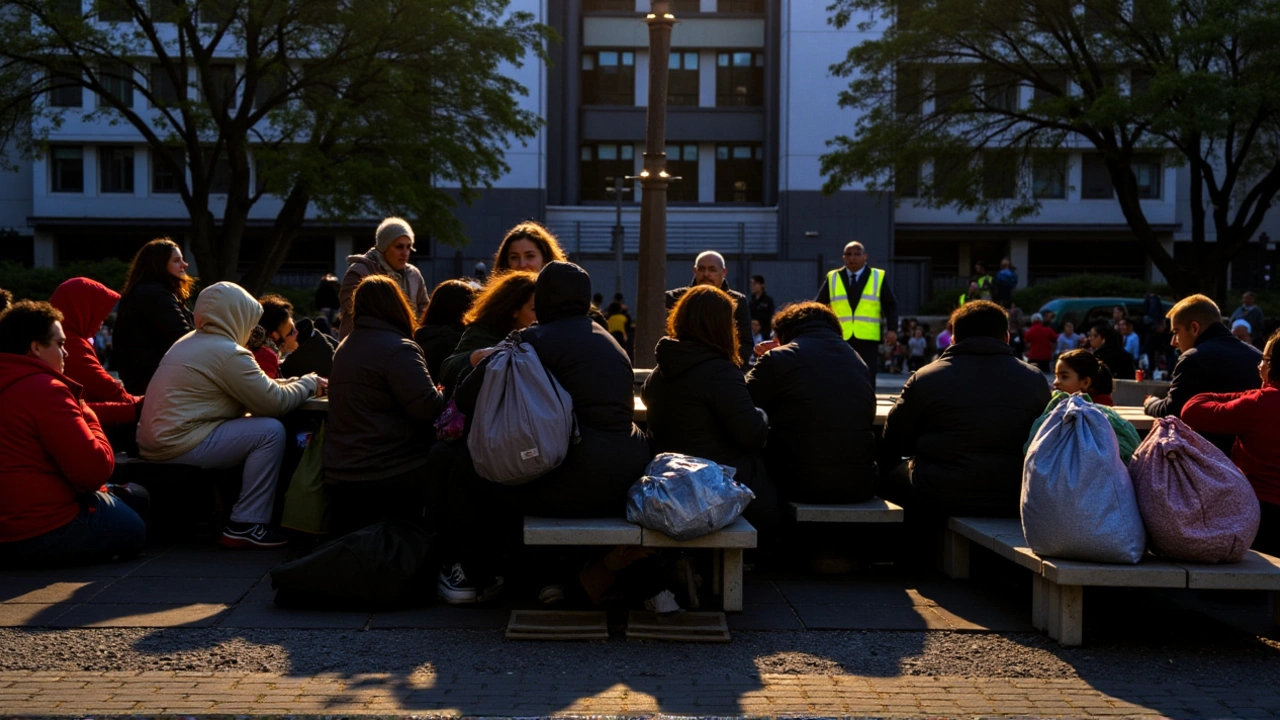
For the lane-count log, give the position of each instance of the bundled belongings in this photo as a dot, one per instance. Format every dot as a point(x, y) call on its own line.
point(523, 422)
point(1196, 504)
point(1077, 499)
point(686, 497)
point(385, 565)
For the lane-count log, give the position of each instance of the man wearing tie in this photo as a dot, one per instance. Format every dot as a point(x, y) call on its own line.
point(862, 300)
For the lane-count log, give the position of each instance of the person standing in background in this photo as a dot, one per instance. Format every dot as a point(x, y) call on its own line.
point(862, 302)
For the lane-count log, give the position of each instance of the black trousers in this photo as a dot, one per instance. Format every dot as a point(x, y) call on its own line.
point(869, 351)
point(360, 504)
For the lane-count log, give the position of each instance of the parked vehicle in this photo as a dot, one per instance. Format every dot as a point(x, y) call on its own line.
point(1084, 312)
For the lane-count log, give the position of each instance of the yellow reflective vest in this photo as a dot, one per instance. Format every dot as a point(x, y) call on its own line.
point(866, 324)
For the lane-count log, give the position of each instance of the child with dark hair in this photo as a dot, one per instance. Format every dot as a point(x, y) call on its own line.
point(1081, 372)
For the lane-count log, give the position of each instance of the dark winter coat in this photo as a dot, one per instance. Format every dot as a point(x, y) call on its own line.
point(1117, 360)
point(314, 354)
point(149, 320)
point(382, 404)
point(1219, 363)
point(741, 316)
point(822, 408)
point(437, 342)
point(594, 370)
point(963, 420)
point(698, 404)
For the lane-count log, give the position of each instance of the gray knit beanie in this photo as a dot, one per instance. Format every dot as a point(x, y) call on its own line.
point(392, 229)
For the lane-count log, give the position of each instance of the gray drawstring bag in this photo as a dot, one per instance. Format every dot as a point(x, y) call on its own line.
point(1077, 499)
point(523, 422)
point(686, 497)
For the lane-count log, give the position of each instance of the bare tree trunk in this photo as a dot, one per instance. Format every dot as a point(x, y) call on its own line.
point(283, 233)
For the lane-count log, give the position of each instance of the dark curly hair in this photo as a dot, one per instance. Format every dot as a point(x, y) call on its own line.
point(25, 322)
point(1086, 365)
point(979, 318)
point(789, 319)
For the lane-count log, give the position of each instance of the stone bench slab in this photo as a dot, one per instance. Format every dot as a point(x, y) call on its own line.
point(589, 531)
point(874, 510)
point(1148, 573)
point(738, 534)
point(983, 531)
point(1256, 572)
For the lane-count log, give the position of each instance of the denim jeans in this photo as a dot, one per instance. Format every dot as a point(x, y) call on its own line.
point(258, 442)
point(105, 528)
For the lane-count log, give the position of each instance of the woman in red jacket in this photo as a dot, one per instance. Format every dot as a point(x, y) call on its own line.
point(84, 304)
point(1040, 339)
point(54, 457)
point(1253, 416)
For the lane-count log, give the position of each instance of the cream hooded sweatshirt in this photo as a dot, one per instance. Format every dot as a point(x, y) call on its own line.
point(209, 377)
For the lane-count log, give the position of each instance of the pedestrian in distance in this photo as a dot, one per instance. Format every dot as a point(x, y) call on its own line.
point(862, 301)
point(392, 247)
point(709, 270)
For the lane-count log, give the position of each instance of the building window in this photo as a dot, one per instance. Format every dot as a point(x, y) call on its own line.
point(739, 173)
point(682, 162)
point(601, 164)
point(114, 11)
point(217, 12)
point(163, 90)
point(66, 169)
point(999, 174)
point(68, 8)
point(63, 91)
point(116, 79)
point(165, 180)
point(1049, 177)
point(222, 80)
point(907, 92)
point(947, 167)
point(609, 77)
point(166, 11)
point(739, 79)
point(755, 7)
point(218, 170)
point(682, 79)
point(1147, 170)
point(115, 169)
point(951, 86)
point(906, 180)
point(1057, 80)
point(1000, 90)
point(1095, 180)
point(685, 7)
point(271, 83)
point(609, 5)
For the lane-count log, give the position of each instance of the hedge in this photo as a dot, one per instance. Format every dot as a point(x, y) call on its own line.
point(1030, 299)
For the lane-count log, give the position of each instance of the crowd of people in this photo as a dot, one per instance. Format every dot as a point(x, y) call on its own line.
point(785, 396)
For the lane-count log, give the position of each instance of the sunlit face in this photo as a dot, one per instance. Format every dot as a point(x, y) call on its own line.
point(1066, 379)
point(1184, 335)
point(397, 255)
point(855, 257)
point(709, 271)
point(54, 354)
point(526, 315)
point(286, 336)
point(523, 254)
point(177, 266)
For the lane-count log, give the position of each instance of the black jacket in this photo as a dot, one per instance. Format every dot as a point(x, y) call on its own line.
point(762, 310)
point(382, 404)
point(593, 480)
point(888, 303)
point(149, 320)
point(964, 419)
point(437, 342)
point(314, 353)
point(741, 316)
point(822, 409)
point(1119, 362)
point(698, 404)
point(1219, 363)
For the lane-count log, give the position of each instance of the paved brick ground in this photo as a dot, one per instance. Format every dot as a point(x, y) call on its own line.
point(146, 693)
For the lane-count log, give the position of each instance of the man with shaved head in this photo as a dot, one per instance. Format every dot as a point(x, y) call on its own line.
point(862, 300)
point(709, 269)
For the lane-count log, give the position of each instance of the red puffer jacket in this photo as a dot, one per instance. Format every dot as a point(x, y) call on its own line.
point(84, 304)
point(51, 448)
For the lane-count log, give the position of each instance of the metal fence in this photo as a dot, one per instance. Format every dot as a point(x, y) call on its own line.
point(596, 237)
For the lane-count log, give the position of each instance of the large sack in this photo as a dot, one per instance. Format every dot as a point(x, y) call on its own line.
point(385, 565)
point(523, 422)
point(1196, 504)
point(1077, 499)
point(685, 497)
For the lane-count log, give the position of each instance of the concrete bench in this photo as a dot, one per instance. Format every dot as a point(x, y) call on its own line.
point(727, 545)
point(1057, 585)
point(874, 510)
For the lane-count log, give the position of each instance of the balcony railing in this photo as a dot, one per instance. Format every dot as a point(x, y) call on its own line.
point(596, 237)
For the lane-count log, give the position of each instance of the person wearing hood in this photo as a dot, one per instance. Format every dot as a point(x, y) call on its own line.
point(392, 245)
point(54, 456)
point(709, 269)
point(196, 405)
point(381, 408)
point(815, 455)
point(152, 313)
point(698, 402)
point(962, 421)
point(84, 305)
point(594, 477)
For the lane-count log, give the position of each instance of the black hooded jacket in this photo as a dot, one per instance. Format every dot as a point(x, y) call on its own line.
point(822, 409)
point(963, 420)
point(595, 371)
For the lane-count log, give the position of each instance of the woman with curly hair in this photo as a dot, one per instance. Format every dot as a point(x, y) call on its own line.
point(152, 314)
point(505, 304)
point(527, 246)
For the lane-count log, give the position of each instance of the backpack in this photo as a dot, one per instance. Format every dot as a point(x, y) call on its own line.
point(383, 566)
point(523, 422)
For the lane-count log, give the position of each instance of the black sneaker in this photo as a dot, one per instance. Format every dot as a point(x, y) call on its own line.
point(455, 588)
point(240, 536)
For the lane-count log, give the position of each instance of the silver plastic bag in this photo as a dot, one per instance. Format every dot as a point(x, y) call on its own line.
point(685, 497)
point(1077, 499)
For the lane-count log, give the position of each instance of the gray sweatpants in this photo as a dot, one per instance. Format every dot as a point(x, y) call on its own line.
point(257, 442)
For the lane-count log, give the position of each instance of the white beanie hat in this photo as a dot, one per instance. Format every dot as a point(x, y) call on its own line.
point(392, 229)
point(1241, 322)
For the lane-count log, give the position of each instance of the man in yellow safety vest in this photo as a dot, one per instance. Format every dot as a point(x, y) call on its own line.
point(862, 300)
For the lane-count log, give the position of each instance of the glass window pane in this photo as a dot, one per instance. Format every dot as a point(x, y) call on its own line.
point(586, 152)
point(628, 59)
point(673, 62)
point(722, 59)
point(742, 59)
point(588, 61)
point(722, 152)
point(741, 152)
point(609, 58)
point(628, 152)
point(607, 152)
point(691, 61)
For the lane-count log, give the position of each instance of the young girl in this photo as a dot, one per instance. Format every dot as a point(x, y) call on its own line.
point(1080, 371)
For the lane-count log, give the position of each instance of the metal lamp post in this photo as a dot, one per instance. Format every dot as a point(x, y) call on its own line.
point(651, 311)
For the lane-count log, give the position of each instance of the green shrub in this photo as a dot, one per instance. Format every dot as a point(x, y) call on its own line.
point(39, 283)
point(1031, 298)
point(942, 302)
